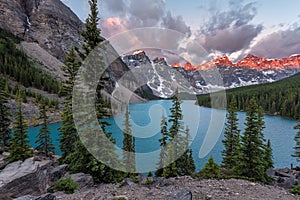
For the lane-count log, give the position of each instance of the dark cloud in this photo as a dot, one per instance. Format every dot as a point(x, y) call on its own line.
point(279, 44)
point(231, 31)
point(176, 23)
point(232, 39)
point(147, 12)
point(116, 6)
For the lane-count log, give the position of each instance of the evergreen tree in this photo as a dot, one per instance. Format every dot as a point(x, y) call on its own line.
point(190, 166)
point(269, 156)
point(128, 143)
point(231, 142)
point(178, 154)
point(91, 34)
point(68, 130)
point(78, 157)
point(163, 142)
point(252, 163)
point(4, 117)
point(176, 141)
point(19, 144)
point(44, 139)
point(297, 140)
point(210, 170)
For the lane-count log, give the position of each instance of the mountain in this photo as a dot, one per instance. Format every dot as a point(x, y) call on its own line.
point(278, 98)
point(250, 61)
point(46, 31)
point(163, 78)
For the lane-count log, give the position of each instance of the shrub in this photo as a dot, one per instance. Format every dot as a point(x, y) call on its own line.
point(67, 185)
point(295, 190)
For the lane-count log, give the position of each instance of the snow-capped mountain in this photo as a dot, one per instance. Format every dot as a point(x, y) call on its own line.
point(211, 76)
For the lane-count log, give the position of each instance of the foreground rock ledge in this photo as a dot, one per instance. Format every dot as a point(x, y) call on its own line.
point(183, 188)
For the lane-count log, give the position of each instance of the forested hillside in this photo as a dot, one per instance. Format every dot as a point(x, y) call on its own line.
point(278, 98)
point(20, 68)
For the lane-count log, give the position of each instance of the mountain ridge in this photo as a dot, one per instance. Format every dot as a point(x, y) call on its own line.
point(250, 61)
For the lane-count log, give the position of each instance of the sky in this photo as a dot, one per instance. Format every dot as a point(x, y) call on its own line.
point(235, 28)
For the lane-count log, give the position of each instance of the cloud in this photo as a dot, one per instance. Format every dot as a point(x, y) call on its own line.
point(114, 25)
point(176, 23)
point(230, 31)
point(279, 44)
point(147, 12)
point(116, 6)
point(141, 13)
point(232, 39)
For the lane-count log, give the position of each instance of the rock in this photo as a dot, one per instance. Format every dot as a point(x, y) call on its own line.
point(183, 195)
point(83, 180)
point(43, 197)
point(161, 182)
point(58, 172)
point(22, 178)
point(3, 162)
point(52, 24)
point(127, 181)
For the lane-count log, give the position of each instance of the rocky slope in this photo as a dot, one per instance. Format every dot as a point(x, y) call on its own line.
point(49, 23)
point(161, 77)
point(183, 188)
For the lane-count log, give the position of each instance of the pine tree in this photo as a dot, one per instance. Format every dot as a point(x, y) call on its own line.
point(178, 154)
point(163, 142)
point(297, 140)
point(19, 144)
point(4, 117)
point(252, 163)
point(78, 157)
point(44, 139)
point(210, 170)
point(91, 34)
point(176, 141)
point(128, 143)
point(189, 167)
point(268, 156)
point(231, 142)
point(68, 130)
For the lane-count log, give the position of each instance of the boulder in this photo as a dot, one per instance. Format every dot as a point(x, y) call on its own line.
point(83, 180)
point(183, 195)
point(58, 172)
point(127, 181)
point(22, 178)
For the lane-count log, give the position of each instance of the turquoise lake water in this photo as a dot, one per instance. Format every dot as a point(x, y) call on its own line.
point(205, 125)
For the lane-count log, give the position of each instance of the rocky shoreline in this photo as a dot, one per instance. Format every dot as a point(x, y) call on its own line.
point(34, 179)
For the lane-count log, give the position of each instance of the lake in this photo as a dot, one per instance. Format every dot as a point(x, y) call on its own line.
point(206, 124)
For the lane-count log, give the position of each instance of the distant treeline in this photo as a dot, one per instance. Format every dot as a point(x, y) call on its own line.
point(17, 65)
point(278, 98)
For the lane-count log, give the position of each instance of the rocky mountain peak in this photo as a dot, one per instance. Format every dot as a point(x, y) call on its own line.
point(49, 23)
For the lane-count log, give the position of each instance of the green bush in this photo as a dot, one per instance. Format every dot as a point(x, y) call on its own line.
point(67, 185)
point(295, 190)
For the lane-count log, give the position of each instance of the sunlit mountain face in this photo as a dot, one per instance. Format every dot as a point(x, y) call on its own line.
point(250, 61)
point(251, 70)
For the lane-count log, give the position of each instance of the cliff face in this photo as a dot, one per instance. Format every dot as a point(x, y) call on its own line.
point(50, 23)
point(250, 61)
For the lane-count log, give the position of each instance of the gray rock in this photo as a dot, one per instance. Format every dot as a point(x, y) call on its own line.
point(43, 197)
point(83, 180)
point(183, 195)
point(58, 172)
point(161, 182)
point(128, 181)
point(22, 178)
point(3, 162)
